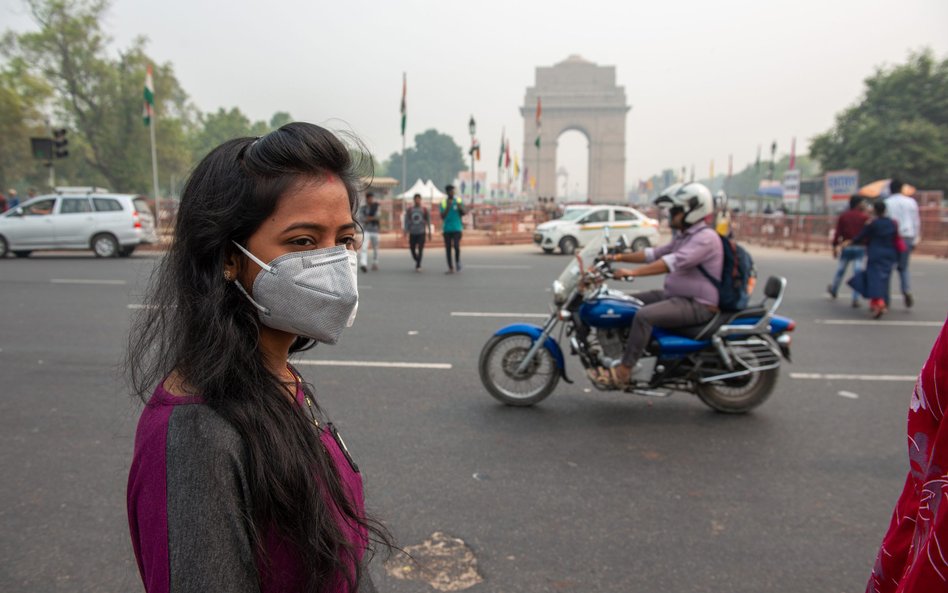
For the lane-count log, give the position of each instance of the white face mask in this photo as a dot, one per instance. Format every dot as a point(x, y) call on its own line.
point(308, 293)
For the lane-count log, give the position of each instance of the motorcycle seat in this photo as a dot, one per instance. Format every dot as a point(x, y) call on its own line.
point(705, 330)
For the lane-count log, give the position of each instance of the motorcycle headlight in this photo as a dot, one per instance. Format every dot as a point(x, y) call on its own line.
point(559, 292)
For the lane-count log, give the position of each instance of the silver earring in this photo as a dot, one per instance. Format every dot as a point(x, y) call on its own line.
point(227, 277)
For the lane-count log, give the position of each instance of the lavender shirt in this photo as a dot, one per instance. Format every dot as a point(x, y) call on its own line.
point(189, 505)
point(698, 245)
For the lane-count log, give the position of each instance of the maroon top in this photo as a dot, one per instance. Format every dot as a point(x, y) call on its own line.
point(189, 505)
point(849, 224)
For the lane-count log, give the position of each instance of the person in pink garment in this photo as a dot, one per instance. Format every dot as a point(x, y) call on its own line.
point(238, 481)
point(913, 557)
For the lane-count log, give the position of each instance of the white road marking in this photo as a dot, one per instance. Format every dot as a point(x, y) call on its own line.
point(844, 377)
point(480, 314)
point(848, 394)
point(376, 364)
point(86, 281)
point(882, 323)
point(412, 333)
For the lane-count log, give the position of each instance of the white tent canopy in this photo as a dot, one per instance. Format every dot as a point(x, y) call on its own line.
point(427, 190)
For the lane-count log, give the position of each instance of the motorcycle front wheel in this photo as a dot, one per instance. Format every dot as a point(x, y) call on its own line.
point(498, 369)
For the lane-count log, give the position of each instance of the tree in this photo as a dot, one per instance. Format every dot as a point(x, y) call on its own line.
point(899, 128)
point(435, 156)
point(21, 100)
point(100, 98)
point(216, 128)
point(280, 119)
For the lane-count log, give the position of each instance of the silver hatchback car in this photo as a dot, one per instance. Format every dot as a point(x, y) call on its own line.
point(109, 224)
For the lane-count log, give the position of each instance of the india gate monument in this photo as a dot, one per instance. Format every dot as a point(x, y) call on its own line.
point(577, 94)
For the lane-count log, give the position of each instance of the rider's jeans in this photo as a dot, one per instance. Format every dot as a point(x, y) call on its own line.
point(855, 254)
point(662, 312)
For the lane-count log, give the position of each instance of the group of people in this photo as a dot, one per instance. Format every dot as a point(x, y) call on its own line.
point(12, 200)
point(417, 225)
point(885, 241)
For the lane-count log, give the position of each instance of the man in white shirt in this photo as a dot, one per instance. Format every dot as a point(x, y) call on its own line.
point(904, 210)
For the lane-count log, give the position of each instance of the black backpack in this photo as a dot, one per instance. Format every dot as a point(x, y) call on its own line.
point(738, 276)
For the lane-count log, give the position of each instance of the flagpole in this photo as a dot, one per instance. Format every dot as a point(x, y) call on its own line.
point(404, 165)
point(154, 172)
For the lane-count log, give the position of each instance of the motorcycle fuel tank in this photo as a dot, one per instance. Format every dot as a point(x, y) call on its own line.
point(610, 312)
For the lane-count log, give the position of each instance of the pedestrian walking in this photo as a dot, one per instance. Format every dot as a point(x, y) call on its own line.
point(904, 210)
point(3, 203)
point(451, 227)
point(238, 482)
point(369, 218)
point(913, 558)
point(848, 226)
point(418, 227)
point(12, 200)
point(880, 237)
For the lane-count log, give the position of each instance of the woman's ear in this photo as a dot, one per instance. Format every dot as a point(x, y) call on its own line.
point(232, 265)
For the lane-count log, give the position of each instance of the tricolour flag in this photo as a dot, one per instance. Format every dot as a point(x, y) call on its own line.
point(507, 154)
point(793, 153)
point(500, 158)
point(516, 166)
point(404, 109)
point(539, 111)
point(149, 110)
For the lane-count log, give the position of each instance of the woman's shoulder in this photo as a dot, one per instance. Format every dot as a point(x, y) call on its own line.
point(199, 430)
point(192, 423)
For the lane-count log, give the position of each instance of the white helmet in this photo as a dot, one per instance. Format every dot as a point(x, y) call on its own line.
point(694, 198)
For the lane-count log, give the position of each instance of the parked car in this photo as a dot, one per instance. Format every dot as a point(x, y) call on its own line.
point(109, 224)
point(576, 227)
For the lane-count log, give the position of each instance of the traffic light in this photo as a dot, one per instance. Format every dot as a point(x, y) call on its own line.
point(60, 143)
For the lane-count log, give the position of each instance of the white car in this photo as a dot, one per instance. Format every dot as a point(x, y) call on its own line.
point(578, 226)
point(109, 224)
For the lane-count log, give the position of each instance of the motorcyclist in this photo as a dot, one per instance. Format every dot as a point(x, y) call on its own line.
point(688, 297)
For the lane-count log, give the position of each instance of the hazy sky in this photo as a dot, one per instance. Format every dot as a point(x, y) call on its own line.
point(704, 79)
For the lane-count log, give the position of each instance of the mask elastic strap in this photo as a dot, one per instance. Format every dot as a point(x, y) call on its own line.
point(240, 286)
point(260, 307)
point(253, 257)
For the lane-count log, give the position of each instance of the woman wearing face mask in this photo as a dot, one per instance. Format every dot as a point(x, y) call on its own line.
point(238, 483)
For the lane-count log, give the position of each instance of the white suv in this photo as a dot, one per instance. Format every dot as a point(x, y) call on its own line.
point(578, 226)
point(109, 224)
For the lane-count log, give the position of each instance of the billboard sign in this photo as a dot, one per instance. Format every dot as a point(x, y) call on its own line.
point(840, 185)
point(791, 185)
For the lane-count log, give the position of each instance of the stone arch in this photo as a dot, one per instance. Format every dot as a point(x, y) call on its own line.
point(577, 94)
point(580, 132)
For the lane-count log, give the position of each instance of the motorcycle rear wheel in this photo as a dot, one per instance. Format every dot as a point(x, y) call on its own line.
point(738, 395)
point(497, 366)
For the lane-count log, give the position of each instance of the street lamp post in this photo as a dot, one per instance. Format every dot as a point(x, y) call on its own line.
point(472, 127)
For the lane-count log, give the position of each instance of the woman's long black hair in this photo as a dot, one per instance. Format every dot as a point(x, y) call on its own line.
point(201, 327)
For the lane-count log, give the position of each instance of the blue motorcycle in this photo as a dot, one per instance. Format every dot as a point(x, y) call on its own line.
point(731, 363)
